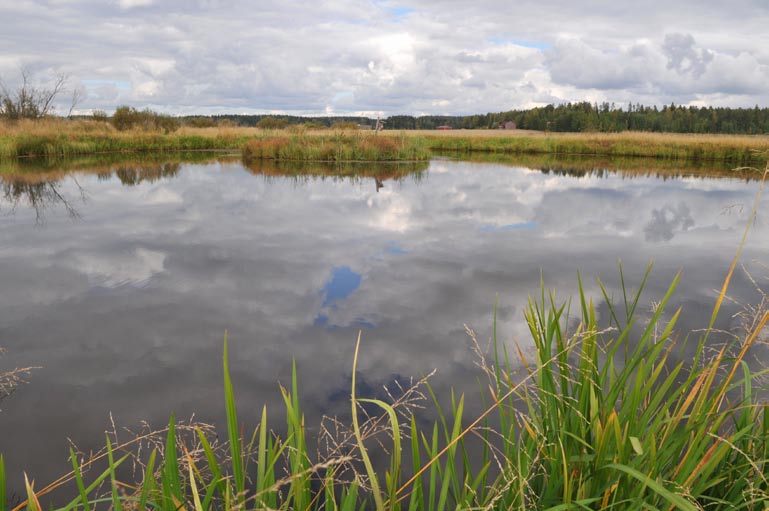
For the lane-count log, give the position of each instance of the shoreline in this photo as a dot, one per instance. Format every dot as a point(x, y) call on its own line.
point(86, 138)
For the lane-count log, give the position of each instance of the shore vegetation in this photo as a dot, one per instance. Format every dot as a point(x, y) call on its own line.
point(337, 147)
point(135, 131)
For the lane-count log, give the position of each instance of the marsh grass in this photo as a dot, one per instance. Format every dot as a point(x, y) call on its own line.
point(733, 149)
point(337, 147)
point(57, 138)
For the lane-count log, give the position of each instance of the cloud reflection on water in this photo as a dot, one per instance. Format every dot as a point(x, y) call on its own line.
point(126, 307)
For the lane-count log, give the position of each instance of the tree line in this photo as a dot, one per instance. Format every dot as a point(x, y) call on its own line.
point(33, 102)
point(568, 117)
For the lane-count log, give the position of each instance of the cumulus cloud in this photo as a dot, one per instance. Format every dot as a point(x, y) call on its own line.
point(684, 57)
point(386, 57)
point(666, 221)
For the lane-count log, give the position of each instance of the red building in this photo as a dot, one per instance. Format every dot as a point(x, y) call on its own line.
point(444, 127)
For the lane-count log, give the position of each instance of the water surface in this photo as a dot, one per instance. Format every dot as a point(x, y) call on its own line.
point(121, 281)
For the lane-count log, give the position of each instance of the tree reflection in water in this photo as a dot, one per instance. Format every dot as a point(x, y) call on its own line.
point(42, 196)
point(43, 192)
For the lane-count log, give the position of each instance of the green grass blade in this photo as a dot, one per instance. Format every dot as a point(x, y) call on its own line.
point(148, 484)
point(395, 460)
point(95, 484)
point(261, 460)
point(79, 480)
point(116, 504)
point(172, 486)
point(359, 438)
point(238, 473)
point(672, 498)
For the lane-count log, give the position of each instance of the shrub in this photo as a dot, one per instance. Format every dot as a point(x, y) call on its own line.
point(127, 117)
point(345, 125)
point(200, 122)
point(272, 123)
point(100, 116)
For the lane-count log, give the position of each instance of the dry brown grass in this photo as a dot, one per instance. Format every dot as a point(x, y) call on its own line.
point(636, 136)
point(54, 126)
point(61, 137)
point(11, 379)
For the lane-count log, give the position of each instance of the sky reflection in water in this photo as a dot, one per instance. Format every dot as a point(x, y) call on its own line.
point(125, 302)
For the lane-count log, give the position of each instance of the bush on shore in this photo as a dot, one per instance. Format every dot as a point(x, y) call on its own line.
point(126, 118)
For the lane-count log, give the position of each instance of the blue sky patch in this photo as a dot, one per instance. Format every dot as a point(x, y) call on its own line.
point(537, 45)
point(342, 284)
point(339, 96)
point(395, 248)
point(402, 12)
point(398, 11)
point(521, 226)
point(119, 84)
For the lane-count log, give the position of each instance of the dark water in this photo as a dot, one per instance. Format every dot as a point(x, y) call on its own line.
point(121, 282)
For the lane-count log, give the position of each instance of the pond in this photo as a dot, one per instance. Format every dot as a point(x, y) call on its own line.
point(119, 280)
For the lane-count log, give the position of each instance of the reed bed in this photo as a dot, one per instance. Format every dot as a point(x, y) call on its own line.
point(732, 149)
point(57, 138)
point(337, 147)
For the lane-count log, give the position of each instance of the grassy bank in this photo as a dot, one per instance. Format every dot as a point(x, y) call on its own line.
point(722, 148)
point(62, 139)
point(59, 138)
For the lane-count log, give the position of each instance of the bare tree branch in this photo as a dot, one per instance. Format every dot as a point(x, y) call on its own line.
point(30, 102)
point(78, 94)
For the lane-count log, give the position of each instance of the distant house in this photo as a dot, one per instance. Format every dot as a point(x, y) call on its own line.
point(444, 127)
point(507, 125)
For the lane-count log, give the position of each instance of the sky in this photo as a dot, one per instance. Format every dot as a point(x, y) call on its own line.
point(382, 57)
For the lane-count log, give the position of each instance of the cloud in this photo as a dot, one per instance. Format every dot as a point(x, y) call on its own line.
point(684, 57)
point(130, 4)
point(666, 220)
point(408, 57)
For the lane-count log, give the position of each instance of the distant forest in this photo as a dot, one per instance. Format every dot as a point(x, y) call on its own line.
point(585, 116)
